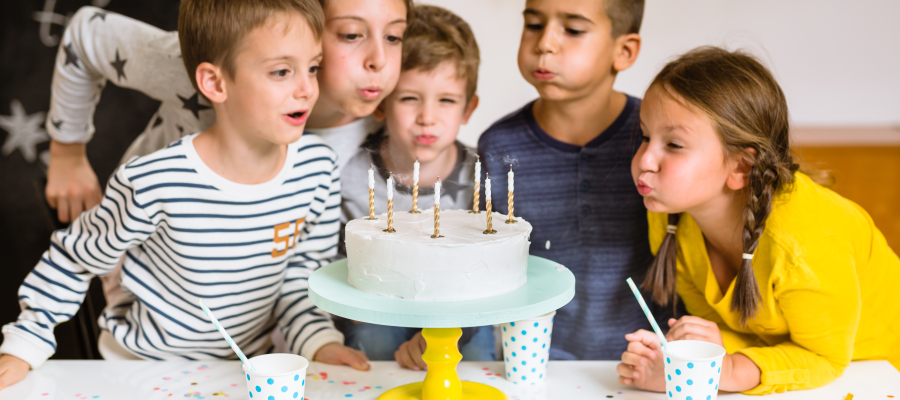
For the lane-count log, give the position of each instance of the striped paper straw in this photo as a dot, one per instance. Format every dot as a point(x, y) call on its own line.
point(640, 299)
point(225, 334)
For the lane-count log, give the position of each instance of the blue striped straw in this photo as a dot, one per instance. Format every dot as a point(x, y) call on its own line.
point(225, 334)
point(640, 299)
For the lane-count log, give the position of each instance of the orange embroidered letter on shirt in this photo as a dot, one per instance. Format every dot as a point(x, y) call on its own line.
point(288, 243)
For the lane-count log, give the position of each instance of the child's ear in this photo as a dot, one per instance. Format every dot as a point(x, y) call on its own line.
point(473, 104)
point(627, 48)
point(211, 82)
point(379, 113)
point(739, 177)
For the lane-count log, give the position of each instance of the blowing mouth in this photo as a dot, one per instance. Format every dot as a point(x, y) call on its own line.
point(297, 118)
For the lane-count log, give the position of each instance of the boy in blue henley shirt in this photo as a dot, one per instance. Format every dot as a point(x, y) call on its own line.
point(571, 151)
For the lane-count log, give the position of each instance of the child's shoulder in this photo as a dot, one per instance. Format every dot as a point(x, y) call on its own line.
point(806, 210)
point(172, 156)
point(505, 128)
point(312, 146)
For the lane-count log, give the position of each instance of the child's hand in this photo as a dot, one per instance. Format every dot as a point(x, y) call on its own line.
point(642, 364)
point(409, 355)
point(12, 370)
point(694, 328)
point(72, 185)
point(338, 354)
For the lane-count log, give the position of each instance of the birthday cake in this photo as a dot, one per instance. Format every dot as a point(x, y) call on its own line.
point(465, 263)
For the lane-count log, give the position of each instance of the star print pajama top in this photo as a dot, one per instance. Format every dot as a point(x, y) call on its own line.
point(185, 233)
point(100, 47)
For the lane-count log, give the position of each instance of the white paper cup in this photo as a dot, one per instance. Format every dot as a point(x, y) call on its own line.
point(692, 369)
point(277, 377)
point(526, 349)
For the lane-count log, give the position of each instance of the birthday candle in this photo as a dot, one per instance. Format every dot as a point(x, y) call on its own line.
point(416, 171)
point(390, 203)
point(437, 192)
point(478, 170)
point(487, 187)
point(390, 188)
point(371, 193)
point(509, 186)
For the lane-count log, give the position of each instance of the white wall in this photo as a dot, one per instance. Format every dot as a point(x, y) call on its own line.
point(838, 61)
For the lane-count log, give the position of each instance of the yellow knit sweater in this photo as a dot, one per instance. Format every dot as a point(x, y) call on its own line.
point(829, 285)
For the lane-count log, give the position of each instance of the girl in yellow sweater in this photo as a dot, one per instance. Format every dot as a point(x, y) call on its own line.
point(792, 279)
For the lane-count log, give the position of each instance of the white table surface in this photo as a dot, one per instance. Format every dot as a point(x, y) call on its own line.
point(213, 380)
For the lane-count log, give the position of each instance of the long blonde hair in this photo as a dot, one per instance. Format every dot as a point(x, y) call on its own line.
point(748, 111)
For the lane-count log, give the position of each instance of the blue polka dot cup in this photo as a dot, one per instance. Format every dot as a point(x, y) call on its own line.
point(277, 377)
point(692, 369)
point(526, 349)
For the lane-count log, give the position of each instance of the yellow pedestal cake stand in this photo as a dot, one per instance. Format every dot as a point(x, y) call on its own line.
point(550, 286)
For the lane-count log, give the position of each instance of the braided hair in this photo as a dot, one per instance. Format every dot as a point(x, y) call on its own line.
point(748, 111)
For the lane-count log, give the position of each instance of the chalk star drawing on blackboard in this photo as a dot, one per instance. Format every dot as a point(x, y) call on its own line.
point(24, 131)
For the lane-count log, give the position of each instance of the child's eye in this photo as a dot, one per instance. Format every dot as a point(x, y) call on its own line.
point(350, 36)
point(407, 98)
point(573, 32)
point(281, 73)
point(534, 27)
point(675, 146)
point(314, 69)
point(449, 101)
point(394, 39)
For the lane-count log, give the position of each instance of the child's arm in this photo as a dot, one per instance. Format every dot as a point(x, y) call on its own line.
point(820, 299)
point(99, 46)
point(308, 330)
point(92, 245)
point(72, 185)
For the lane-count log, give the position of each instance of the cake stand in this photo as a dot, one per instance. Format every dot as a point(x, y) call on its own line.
point(549, 287)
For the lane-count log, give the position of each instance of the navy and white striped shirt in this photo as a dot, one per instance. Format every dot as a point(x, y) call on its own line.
point(187, 233)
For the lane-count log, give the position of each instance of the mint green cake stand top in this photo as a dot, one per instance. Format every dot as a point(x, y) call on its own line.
point(549, 287)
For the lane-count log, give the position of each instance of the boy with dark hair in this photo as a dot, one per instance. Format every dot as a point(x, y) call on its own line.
point(572, 149)
point(239, 215)
point(434, 96)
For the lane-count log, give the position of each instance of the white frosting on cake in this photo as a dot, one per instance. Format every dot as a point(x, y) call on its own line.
point(464, 264)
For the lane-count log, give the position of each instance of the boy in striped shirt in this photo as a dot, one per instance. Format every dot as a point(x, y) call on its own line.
point(238, 215)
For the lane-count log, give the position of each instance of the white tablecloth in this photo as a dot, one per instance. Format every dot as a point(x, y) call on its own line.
point(213, 380)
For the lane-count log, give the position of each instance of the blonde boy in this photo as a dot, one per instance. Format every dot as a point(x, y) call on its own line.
point(238, 215)
point(361, 45)
point(572, 148)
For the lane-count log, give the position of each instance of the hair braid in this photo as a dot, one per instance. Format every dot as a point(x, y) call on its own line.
point(660, 279)
point(766, 176)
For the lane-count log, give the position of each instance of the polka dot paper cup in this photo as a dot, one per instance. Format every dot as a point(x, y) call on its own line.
point(277, 377)
point(692, 369)
point(526, 349)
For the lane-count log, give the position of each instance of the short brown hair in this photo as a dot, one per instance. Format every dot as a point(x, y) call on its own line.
point(212, 30)
point(435, 35)
point(625, 16)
